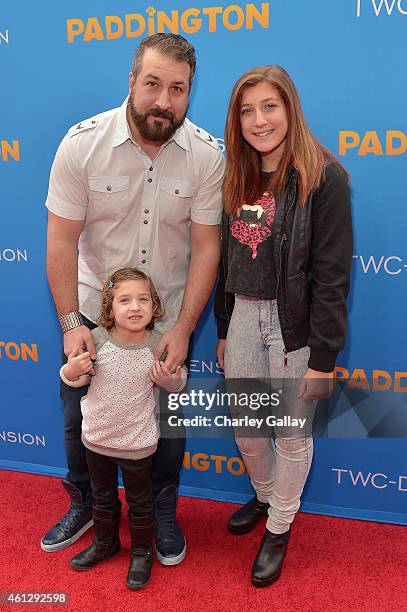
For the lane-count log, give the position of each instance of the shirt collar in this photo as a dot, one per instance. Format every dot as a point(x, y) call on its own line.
point(180, 137)
point(122, 132)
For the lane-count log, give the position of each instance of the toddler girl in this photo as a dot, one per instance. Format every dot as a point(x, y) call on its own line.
point(120, 410)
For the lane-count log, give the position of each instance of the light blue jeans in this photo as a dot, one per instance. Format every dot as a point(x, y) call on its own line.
point(278, 468)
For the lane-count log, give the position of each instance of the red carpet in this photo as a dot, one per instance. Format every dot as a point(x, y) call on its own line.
point(331, 564)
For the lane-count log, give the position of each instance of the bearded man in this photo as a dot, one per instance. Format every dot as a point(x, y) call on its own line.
point(135, 186)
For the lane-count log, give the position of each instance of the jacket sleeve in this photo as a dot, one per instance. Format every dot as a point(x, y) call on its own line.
point(224, 301)
point(331, 259)
point(222, 322)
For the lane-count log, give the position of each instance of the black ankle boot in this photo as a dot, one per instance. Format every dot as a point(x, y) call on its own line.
point(106, 542)
point(141, 531)
point(269, 560)
point(246, 518)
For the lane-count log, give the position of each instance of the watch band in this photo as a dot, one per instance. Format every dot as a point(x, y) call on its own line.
point(70, 320)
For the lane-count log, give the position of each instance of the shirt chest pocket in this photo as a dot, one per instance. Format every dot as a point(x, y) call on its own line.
point(108, 196)
point(175, 200)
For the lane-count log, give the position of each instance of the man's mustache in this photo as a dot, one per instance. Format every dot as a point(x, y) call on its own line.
point(157, 112)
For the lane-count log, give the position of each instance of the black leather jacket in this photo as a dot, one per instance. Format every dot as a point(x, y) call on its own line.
point(312, 250)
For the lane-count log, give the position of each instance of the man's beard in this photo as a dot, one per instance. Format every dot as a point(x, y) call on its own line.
point(157, 131)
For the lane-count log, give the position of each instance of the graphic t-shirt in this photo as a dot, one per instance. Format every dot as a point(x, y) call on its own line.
point(251, 267)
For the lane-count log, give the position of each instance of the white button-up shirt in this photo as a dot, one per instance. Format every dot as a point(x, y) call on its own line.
point(137, 212)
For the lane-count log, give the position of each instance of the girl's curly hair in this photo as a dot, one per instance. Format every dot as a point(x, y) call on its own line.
point(106, 318)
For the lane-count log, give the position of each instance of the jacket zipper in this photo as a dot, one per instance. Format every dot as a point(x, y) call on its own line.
point(283, 239)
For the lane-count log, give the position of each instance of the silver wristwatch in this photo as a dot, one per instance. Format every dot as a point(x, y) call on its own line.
point(70, 320)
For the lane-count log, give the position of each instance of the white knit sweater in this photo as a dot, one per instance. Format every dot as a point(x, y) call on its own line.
point(121, 409)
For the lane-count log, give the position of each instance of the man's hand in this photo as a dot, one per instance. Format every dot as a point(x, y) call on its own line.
point(316, 385)
point(175, 343)
point(161, 375)
point(77, 339)
point(220, 352)
point(78, 364)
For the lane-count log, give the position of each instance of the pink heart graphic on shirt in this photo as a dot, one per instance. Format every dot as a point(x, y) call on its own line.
point(250, 234)
point(252, 226)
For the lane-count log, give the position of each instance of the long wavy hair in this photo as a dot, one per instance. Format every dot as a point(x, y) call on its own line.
point(106, 318)
point(243, 181)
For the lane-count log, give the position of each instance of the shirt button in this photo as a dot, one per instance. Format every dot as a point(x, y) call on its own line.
point(143, 261)
point(144, 251)
point(151, 168)
point(145, 221)
point(146, 211)
point(150, 180)
point(177, 191)
point(109, 188)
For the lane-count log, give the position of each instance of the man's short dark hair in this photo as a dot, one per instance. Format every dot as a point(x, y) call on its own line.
point(171, 45)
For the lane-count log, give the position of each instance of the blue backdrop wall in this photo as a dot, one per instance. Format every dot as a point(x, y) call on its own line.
point(63, 62)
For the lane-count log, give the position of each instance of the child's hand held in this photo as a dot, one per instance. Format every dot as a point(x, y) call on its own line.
point(161, 375)
point(79, 364)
